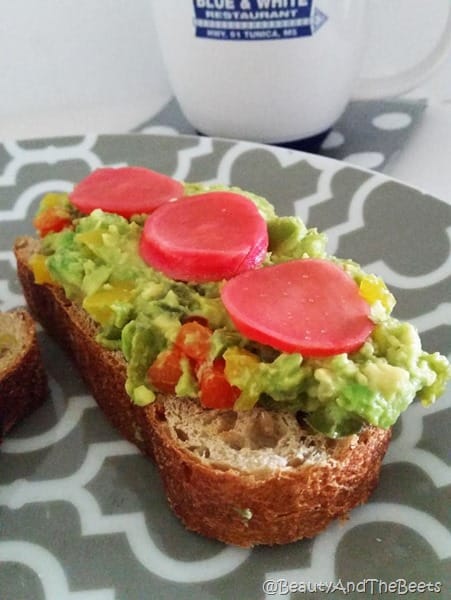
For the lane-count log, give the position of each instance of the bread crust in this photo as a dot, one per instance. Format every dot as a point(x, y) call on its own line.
point(245, 509)
point(23, 383)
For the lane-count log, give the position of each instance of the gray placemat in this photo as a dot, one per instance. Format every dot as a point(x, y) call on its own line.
point(369, 134)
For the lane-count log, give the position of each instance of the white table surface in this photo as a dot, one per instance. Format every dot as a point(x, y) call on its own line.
point(426, 158)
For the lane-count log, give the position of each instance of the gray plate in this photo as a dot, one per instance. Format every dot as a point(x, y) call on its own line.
point(83, 515)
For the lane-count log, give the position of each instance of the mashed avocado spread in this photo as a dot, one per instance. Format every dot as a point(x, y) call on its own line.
point(140, 312)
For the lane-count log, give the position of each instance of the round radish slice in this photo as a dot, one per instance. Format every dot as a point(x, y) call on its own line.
point(309, 306)
point(125, 191)
point(205, 237)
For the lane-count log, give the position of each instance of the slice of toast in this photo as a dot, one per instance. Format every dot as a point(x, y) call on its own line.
point(255, 477)
point(23, 381)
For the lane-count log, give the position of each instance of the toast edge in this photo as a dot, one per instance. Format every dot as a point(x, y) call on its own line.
point(24, 387)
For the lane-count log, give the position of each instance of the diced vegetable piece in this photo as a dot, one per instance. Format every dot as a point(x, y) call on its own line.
point(51, 220)
point(310, 306)
point(54, 199)
point(193, 339)
point(92, 239)
point(243, 369)
point(373, 289)
point(215, 390)
point(125, 191)
point(99, 305)
point(165, 372)
point(38, 264)
point(142, 396)
point(205, 237)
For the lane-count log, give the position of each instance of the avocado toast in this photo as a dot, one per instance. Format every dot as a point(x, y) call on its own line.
point(300, 439)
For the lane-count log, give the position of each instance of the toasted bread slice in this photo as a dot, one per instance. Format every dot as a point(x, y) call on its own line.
point(23, 381)
point(256, 477)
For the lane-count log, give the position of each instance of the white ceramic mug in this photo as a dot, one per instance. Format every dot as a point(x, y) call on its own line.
point(272, 71)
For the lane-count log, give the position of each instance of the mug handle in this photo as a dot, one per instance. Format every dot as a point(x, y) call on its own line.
point(375, 88)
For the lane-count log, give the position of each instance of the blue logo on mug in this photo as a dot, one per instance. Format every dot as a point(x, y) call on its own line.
point(256, 20)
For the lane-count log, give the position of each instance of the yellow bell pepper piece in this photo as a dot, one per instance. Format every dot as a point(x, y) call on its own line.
point(38, 264)
point(239, 362)
point(373, 289)
point(54, 199)
point(98, 305)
